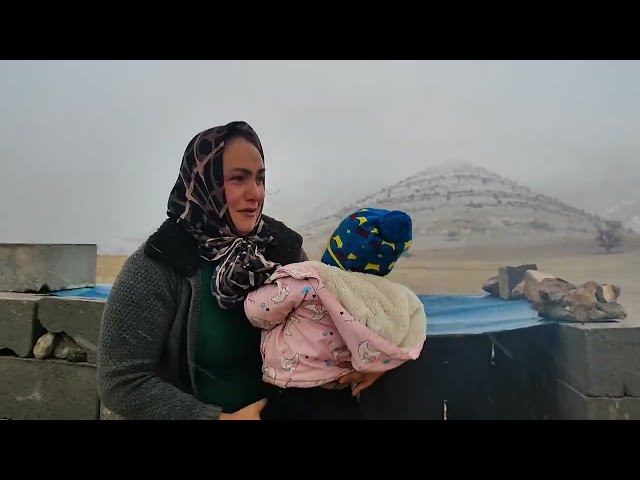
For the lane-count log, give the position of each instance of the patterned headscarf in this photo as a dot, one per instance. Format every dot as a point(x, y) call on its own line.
point(198, 203)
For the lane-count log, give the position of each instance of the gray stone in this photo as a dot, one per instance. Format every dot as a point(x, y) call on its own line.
point(574, 405)
point(492, 287)
point(67, 349)
point(46, 267)
point(106, 414)
point(584, 294)
point(594, 358)
point(610, 293)
point(510, 277)
point(75, 355)
point(579, 313)
point(19, 327)
point(79, 318)
point(613, 310)
point(561, 301)
point(528, 287)
point(33, 389)
point(551, 290)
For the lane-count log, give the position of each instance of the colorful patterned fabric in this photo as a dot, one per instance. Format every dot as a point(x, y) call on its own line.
point(369, 240)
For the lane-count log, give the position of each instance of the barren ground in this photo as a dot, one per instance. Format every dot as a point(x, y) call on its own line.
point(463, 269)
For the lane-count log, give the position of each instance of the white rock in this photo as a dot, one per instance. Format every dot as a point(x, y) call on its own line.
point(44, 346)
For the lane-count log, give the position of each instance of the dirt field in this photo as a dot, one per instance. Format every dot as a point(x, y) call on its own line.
point(464, 269)
point(109, 267)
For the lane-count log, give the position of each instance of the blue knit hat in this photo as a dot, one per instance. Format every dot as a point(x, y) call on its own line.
point(369, 240)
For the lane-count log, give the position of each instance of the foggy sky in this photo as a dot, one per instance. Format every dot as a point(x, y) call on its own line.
point(89, 150)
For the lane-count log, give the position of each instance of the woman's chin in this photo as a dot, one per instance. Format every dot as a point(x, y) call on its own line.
point(245, 224)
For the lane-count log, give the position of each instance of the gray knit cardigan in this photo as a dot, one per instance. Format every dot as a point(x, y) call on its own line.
point(149, 330)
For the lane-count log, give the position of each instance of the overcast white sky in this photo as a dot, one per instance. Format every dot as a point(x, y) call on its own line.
point(89, 150)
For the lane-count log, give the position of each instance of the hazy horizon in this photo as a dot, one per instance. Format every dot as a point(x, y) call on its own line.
point(91, 149)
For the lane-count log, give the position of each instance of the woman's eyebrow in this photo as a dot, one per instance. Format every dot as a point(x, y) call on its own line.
point(245, 170)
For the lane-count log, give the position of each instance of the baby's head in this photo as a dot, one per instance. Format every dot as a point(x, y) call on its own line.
point(369, 240)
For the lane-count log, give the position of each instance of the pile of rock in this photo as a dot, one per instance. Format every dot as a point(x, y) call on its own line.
point(58, 345)
point(555, 298)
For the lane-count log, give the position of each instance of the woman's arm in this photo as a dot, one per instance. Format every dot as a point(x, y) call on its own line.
point(135, 325)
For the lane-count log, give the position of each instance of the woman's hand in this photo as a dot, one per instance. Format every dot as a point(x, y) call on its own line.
point(360, 380)
point(250, 412)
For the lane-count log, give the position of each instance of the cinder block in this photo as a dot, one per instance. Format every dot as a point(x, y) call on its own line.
point(632, 383)
point(574, 405)
point(46, 267)
point(79, 318)
point(19, 326)
point(33, 389)
point(594, 358)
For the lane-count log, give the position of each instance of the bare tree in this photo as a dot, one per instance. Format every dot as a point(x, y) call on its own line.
point(609, 235)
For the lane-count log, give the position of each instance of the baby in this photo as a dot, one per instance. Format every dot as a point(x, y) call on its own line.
point(322, 320)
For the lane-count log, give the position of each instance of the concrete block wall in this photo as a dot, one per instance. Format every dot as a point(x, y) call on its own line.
point(49, 388)
point(598, 371)
point(547, 372)
point(43, 268)
point(37, 389)
point(32, 389)
point(570, 371)
point(565, 371)
point(544, 372)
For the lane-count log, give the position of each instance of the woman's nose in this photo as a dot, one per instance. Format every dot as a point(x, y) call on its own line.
point(253, 192)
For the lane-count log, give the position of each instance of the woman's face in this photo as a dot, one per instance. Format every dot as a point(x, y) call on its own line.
point(243, 172)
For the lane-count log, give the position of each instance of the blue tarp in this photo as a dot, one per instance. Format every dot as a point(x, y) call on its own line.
point(100, 291)
point(447, 314)
point(476, 314)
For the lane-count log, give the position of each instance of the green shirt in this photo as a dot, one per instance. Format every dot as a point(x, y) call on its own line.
point(228, 360)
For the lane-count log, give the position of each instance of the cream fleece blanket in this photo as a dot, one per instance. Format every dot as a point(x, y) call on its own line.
point(390, 309)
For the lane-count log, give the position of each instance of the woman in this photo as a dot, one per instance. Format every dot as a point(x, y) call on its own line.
point(174, 341)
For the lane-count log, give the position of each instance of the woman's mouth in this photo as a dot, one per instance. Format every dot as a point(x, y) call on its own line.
point(249, 212)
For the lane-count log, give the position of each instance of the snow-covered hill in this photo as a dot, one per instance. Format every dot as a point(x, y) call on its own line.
point(464, 201)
